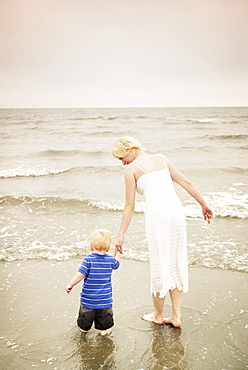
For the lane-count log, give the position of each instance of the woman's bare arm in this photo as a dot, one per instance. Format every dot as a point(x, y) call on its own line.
point(180, 179)
point(129, 206)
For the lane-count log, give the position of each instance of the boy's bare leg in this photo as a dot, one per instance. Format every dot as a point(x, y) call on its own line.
point(83, 331)
point(158, 315)
point(176, 300)
point(105, 332)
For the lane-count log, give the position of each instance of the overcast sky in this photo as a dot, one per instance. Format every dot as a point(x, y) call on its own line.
point(123, 53)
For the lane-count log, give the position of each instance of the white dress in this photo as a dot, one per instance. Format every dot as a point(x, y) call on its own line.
point(166, 232)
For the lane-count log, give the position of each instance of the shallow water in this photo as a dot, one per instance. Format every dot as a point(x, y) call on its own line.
point(59, 180)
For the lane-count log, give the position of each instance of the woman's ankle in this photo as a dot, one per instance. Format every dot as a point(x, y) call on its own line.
point(159, 316)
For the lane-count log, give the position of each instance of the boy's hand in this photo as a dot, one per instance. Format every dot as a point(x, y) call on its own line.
point(117, 255)
point(119, 244)
point(69, 288)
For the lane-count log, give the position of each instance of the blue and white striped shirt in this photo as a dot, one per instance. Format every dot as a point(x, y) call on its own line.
point(97, 286)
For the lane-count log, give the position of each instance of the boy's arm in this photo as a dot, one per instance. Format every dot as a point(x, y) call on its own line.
point(117, 255)
point(77, 278)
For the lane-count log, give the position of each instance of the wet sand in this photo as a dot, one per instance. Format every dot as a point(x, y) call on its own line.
point(38, 321)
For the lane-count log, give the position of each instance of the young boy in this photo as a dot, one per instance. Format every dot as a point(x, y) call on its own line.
point(96, 295)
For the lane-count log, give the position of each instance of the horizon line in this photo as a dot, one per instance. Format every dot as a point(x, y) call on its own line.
point(130, 107)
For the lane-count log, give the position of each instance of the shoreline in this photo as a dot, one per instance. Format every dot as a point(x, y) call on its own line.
point(38, 320)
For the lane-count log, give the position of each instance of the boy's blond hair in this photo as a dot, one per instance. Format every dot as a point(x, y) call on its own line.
point(123, 143)
point(101, 240)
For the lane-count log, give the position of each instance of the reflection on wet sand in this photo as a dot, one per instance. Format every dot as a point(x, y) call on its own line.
point(95, 352)
point(167, 350)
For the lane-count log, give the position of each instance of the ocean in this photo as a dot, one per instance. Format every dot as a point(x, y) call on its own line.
point(59, 181)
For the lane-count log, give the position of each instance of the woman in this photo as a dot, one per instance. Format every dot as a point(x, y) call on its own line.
point(151, 176)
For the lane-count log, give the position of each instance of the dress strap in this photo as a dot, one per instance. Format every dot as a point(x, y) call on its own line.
point(133, 164)
point(163, 157)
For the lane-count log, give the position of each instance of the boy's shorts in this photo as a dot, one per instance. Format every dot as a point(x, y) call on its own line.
point(102, 317)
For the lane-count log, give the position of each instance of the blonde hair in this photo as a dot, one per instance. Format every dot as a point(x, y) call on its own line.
point(101, 240)
point(123, 143)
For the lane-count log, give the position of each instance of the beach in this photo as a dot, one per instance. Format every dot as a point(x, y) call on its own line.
point(38, 321)
point(60, 182)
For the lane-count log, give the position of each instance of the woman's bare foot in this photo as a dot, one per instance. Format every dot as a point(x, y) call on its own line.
point(171, 321)
point(105, 332)
point(151, 318)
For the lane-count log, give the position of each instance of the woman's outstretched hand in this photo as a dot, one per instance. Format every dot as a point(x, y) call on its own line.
point(207, 213)
point(119, 244)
